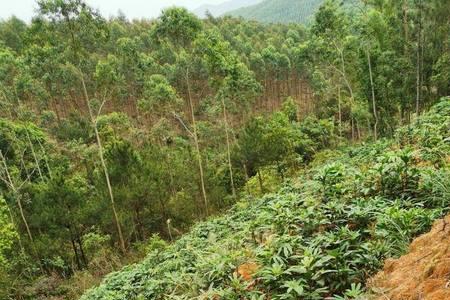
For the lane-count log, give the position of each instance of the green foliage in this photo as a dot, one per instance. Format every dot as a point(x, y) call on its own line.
point(267, 181)
point(321, 235)
point(159, 96)
point(12, 33)
point(189, 113)
point(177, 25)
point(289, 108)
point(431, 136)
point(285, 11)
point(8, 235)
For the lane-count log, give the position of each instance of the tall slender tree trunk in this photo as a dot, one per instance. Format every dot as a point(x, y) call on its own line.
point(80, 244)
point(45, 159)
point(418, 82)
point(169, 229)
point(169, 170)
point(197, 146)
point(358, 130)
point(137, 223)
point(105, 168)
point(22, 214)
point(344, 74)
point(261, 186)
point(418, 62)
point(17, 196)
point(405, 9)
point(353, 129)
point(340, 111)
point(97, 135)
point(74, 248)
point(75, 251)
point(34, 155)
point(230, 167)
point(349, 87)
point(374, 105)
point(405, 24)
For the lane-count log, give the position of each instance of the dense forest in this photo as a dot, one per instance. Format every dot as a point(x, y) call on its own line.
point(319, 236)
point(222, 8)
point(244, 160)
point(279, 11)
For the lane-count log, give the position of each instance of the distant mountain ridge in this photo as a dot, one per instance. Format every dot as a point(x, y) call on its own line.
point(279, 11)
point(222, 8)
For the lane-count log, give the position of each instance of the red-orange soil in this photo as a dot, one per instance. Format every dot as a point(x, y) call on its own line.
point(423, 273)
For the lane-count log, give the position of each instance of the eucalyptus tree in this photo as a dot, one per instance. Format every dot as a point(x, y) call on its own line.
point(80, 23)
point(130, 67)
point(21, 167)
point(234, 84)
point(161, 103)
point(9, 68)
point(19, 91)
point(15, 185)
point(177, 28)
point(12, 33)
point(370, 26)
point(18, 167)
point(336, 47)
point(46, 66)
point(278, 66)
point(329, 45)
point(437, 47)
point(160, 98)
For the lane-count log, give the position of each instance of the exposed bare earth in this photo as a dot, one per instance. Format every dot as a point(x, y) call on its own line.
point(422, 274)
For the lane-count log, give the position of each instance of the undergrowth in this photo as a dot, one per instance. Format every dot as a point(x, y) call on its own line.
point(319, 236)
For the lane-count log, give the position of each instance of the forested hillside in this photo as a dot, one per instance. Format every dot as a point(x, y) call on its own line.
point(220, 9)
point(279, 11)
point(318, 237)
point(323, 148)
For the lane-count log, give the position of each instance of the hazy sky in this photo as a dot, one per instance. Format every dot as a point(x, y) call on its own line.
point(24, 9)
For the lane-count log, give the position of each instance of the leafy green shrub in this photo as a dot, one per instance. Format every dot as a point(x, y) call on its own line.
point(152, 244)
point(318, 237)
point(267, 181)
point(430, 134)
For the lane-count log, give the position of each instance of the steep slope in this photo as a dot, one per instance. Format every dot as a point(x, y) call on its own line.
point(424, 273)
point(220, 9)
point(322, 234)
point(283, 11)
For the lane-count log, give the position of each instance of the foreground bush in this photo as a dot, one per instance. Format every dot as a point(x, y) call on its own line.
point(319, 236)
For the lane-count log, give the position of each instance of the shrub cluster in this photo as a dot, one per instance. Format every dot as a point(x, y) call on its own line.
point(319, 236)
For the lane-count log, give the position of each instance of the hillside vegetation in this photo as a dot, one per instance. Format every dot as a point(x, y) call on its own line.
point(279, 11)
point(320, 235)
point(220, 9)
point(118, 137)
point(422, 272)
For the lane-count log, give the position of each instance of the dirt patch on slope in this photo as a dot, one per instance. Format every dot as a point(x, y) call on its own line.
point(422, 274)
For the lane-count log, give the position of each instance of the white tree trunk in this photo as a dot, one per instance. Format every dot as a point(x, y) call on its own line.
point(104, 166)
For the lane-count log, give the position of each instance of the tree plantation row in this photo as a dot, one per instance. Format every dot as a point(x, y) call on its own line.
point(113, 132)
